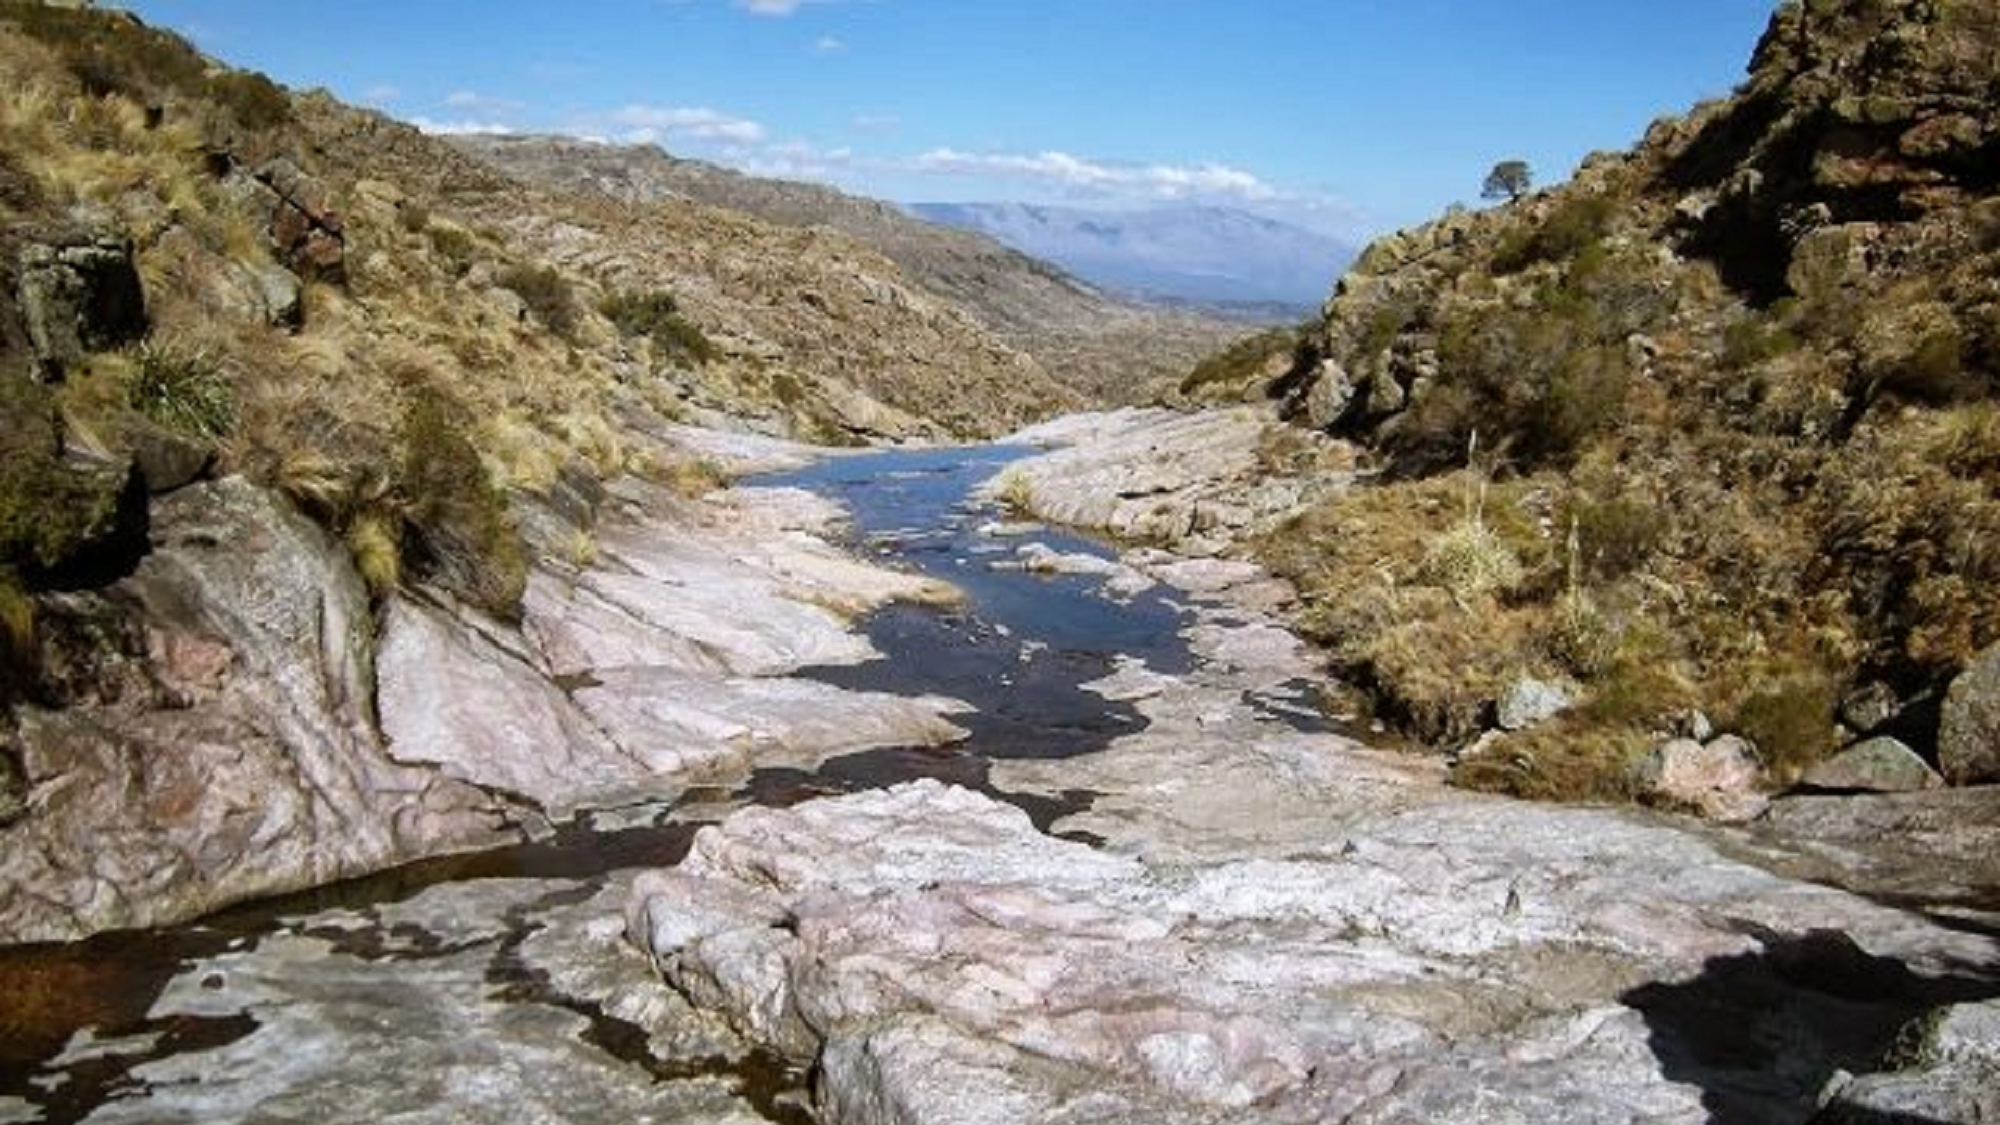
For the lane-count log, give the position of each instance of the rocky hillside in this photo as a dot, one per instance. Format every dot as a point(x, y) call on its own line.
point(1106, 349)
point(1704, 441)
point(274, 371)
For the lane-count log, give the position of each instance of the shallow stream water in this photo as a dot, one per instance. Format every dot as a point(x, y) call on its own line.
point(189, 1023)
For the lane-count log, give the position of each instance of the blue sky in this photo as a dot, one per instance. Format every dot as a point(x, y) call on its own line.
point(1352, 116)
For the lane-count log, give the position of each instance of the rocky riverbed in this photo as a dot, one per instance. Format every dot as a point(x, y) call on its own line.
point(1082, 845)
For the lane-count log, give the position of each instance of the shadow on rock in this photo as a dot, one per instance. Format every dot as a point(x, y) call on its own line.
point(1761, 1034)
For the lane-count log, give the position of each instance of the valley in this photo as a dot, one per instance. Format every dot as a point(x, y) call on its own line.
point(516, 627)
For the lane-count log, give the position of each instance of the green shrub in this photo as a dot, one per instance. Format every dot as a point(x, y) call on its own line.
point(456, 245)
point(656, 316)
point(459, 530)
point(1755, 340)
point(413, 216)
point(1791, 723)
point(183, 391)
point(546, 293)
point(1242, 360)
point(1615, 536)
point(54, 516)
point(256, 102)
point(1575, 224)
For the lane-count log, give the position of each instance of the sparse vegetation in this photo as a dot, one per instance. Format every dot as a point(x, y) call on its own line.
point(1233, 370)
point(1014, 494)
point(657, 317)
point(458, 529)
point(546, 293)
point(183, 390)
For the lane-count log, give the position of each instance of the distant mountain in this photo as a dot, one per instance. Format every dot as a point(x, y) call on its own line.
point(1207, 255)
point(1110, 349)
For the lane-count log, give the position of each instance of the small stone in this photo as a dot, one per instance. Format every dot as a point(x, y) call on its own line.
point(1869, 707)
point(1531, 702)
point(1879, 765)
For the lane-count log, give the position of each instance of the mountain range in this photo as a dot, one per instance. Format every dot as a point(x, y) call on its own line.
point(1203, 255)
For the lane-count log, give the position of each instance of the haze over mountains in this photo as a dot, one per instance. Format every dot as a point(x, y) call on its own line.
point(1201, 254)
point(1105, 345)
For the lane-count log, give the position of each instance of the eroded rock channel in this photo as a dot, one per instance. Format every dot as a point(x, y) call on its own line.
point(1150, 883)
point(498, 985)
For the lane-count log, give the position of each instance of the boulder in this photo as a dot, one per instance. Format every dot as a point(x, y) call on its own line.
point(1718, 779)
point(1530, 702)
point(306, 231)
point(1332, 392)
point(1879, 765)
point(79, 293)
point(1950, 1072)
point(1969, 739)
point(164, 459)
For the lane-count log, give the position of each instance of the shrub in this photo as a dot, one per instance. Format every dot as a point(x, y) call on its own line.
point(1791, 723)
point(413, 216)
point(1614, 536)
point(696, 478)
point(1242, 361)
point(1014, 493)
point(256, 102)
point(657, 317)
point(457, 246)
point(546, 293)
point(1754, 340)
point(1471, 561)
point(458, 527)
point(184, 391)
point(1575, 224)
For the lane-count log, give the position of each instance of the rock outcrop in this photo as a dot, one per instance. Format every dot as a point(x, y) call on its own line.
point(1969, 743)
point(938, 959)
point(219, 742)
point(79, 293)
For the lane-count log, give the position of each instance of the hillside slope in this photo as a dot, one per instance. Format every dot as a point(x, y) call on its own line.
point(1729, 404)
point(277, 374)
point(1106, 349)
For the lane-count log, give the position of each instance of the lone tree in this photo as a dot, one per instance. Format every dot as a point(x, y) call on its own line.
point(1509, 180)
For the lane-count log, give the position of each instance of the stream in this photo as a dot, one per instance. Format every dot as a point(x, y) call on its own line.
point(496, 985)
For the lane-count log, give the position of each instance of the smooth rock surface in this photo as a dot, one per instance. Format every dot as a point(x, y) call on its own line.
point(480, 1002)
point(1467, 953)
point(243, 761)
point(1191, 479)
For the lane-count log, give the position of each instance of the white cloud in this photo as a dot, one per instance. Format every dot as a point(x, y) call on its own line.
point(792, 160)
point(877, 122)
point(380, 95)
point(447, 128)
point(777, 8)
point(827, 44)
point(479, 103)
point(647, 124)
point(1076, 173)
